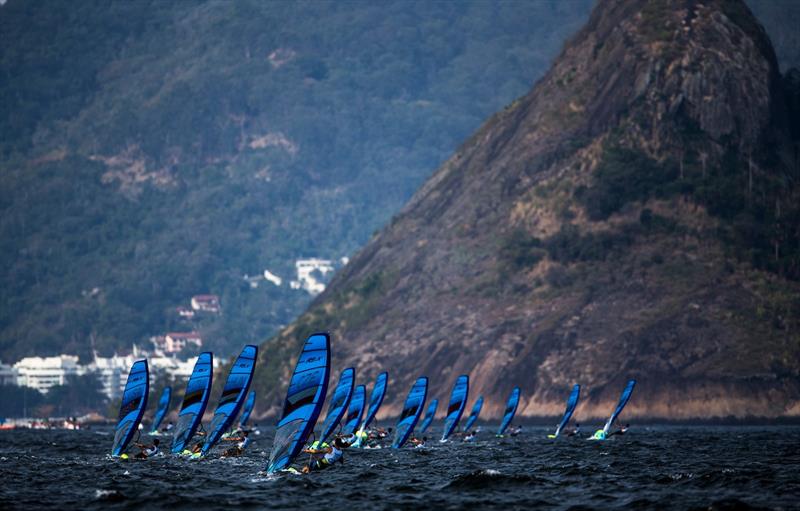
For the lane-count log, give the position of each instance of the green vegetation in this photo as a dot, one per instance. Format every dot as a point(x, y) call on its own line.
point(760, 209)
point(624, 176)
point(153, 150)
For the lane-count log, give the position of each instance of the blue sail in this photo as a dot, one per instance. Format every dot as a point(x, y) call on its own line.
point(511, 410)
point(623, 400)
point(572, 402)
point(195, 399)
point(376, 398)
point(412, 409)
point(248, 408)
point(429, 416)
point(163, 408)
point(458, 400)
point(473, 415)
point(339, 403)
point(355, 411)
point(233, 396)
point(304, 400)
point(134, 402)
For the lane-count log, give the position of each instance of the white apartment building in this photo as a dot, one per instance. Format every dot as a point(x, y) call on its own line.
point(41, 373)
point(305, 274)
point(113, 371)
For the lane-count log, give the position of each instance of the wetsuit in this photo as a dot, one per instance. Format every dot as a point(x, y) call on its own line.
point(328, 460)
point(147, 452)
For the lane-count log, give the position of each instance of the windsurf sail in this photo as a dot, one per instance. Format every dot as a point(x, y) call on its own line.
point(473, 415)
point(356, 410)
point(458, 400)
point(163, 408)
point(134, 402)
point(304, 400)
point(412, 409)
point(572, 402)
point(511, 410)
point(429, 415)
point(194, 403)
point(623, 400)
point(233, 396)
point(376, 398)
point(248, 408)
point(339, 403)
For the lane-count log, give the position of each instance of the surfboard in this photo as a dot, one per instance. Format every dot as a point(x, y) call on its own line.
point(195, 400)
point(233, 395)
point(602, 434)
point(163, 408)
point(412, 409)
point(355, 411)
point(429, 416)
point(572, 403)
point(132, 407)
point(458, 400)
point(304, 400)
point(473, 414)
point(247, 409)
point(511, 410)
point(339, 403)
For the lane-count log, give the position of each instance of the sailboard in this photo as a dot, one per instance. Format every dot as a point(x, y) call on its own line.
point(511, 410)
point(623, 400)
point(195, 400)
point(412, 409)
point(473, 415)
point(233, 396)
point(376, 398)
point(572, 402)
point(601, 434)
point(131, 410)
point(339, 403)
point(429, 416)
point(304, 400)
point(248, 408)
point(163, 408)
point(356, 410)
point(458, 400)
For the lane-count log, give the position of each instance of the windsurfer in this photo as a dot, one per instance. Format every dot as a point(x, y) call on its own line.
point(238, 449)
point(146, 451)
point(326, 455)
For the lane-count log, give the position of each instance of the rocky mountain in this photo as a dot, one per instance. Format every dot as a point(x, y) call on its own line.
point(636, 214)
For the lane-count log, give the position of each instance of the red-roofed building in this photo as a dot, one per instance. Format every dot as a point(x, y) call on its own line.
point(206, 303)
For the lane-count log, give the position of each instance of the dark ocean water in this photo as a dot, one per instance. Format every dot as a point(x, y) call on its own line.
point(649, 468)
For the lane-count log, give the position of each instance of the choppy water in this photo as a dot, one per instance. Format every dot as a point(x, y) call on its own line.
point(650, 468)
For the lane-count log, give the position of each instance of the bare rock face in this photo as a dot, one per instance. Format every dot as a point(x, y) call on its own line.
point(634, 215)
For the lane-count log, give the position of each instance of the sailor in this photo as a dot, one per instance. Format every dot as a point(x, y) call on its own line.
point(198, 447)
point(470, 437)
point(238, 449)
point(168, 427)
point(576, 431)
point(146, 451)
point(326, 456)
point(418, 443)
point(515, 430)
point(620, 431)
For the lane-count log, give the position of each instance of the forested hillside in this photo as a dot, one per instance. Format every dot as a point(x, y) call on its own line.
point(152, 150)
point(155, 150)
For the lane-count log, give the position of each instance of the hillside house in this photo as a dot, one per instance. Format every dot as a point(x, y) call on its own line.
point(206, 303)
